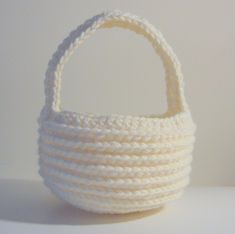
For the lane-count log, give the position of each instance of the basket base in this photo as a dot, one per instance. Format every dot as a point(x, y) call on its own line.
point(143, 212)
point(83, 205)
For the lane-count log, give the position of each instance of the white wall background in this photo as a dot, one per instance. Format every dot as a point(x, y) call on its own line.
point(117, 71)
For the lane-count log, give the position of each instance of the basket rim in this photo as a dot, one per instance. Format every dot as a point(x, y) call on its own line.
point(87, 119)
point(153, 117)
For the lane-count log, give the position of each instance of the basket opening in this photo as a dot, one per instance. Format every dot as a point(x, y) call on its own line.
point(126, 78)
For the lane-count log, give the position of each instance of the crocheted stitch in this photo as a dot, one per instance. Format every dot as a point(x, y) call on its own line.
point(115, 163)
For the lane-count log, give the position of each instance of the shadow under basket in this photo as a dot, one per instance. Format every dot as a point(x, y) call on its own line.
point(114, 163)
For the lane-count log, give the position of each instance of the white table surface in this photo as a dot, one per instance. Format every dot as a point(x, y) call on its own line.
point(28, 207)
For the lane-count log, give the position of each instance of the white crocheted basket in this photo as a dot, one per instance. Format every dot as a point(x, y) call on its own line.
point(116, 163)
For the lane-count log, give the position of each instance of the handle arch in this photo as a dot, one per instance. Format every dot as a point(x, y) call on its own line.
point(173, 75)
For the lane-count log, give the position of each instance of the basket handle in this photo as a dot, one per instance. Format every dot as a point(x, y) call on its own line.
point(174, 79)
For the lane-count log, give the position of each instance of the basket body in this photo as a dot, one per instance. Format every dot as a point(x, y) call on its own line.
point(114, 164)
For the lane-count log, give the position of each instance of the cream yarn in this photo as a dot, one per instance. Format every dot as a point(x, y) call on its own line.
point(116, 163)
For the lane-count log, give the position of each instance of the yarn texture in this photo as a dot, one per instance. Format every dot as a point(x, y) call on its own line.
point(115, 163)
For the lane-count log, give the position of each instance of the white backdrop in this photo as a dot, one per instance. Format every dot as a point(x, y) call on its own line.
point(117, 71)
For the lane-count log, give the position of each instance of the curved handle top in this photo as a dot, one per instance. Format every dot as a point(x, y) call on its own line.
point(174, 79)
